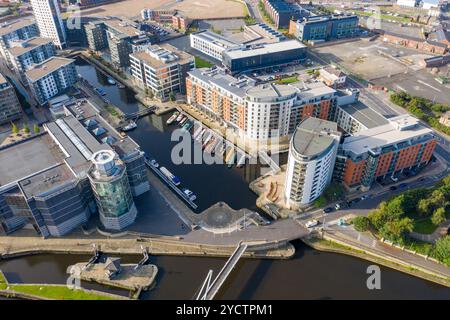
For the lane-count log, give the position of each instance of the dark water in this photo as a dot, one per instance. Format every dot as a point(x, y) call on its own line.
point(309, 275)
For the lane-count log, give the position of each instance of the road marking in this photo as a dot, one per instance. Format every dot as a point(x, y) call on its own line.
point(428, 85)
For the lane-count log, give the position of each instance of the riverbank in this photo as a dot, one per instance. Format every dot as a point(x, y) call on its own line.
point(328, 244)
point(51, 292)
point(17, 246)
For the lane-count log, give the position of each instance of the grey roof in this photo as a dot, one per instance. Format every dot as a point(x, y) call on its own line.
point(314, 136)
point(14, 25)
point(28, 157)
point(264, 49)
point(270, 91)
point(48, 66)
point(365, 115)
point(28, 45)
point(398, 129)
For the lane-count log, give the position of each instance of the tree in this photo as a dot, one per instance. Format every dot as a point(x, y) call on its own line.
point(36, 129)
point(424, 207)
point(442, 250)
point(361, 223)
point(171, 97)
point(438, 216)
point(320, 202)
point(397, 230)
point(14, 129)
point(26, 128)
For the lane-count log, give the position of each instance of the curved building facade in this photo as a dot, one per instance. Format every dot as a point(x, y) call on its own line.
point(268, 110)
point(312, 155)
point(112, 191)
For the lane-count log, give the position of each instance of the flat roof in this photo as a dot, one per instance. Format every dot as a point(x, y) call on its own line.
point(15, 25)
point(47, 67)
point(225, 81)
point(264, 49)
point(271, 91)
point(215, 38)
point(124, 27)
point(28, 157)
point(28, 45)
point(314, 136)
point(399, 129)
point(311, 90)
point(2, 79)
point(365, 115)
point(47, 182)
point(163, 55)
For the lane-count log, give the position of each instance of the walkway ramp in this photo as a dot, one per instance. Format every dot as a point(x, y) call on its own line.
point(269, 161)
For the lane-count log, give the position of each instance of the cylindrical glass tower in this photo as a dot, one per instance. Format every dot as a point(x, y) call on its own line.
point(112, 191)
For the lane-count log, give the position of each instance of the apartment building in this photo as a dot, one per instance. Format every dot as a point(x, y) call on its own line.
point(312, 154)
point(51, 78)
point(10, 108)
point(258, 112)
point(162, 69)
point(383, 151)
point(16, 31)
point(48, 18)
point(25, 54)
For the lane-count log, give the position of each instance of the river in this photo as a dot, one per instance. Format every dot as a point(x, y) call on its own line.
point(309, 275)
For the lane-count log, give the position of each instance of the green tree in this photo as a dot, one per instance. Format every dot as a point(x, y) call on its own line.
point(397, 230)
point(172, 97)
point(320, 202)
point(14, 128)
point(26, 128)
point(438, 216)
point(424, 207)
point(36, 129)
point(361, 223)
point(442, 250)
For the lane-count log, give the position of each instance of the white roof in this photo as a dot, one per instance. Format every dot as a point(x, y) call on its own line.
point(265, 49)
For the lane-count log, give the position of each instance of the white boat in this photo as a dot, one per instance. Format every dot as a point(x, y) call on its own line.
point(111, 81)
point(172, 118)
point(200, 136)
point(190, 194)
point(176, 181)
point(180, 117)
point(183, 121)
point(130, 126)
point(197, 132)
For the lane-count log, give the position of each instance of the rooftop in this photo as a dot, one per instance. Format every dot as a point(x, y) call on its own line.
point(28, 45)
point(365, 115)
point(327, 17)
point(162, 55)
point(47, 182)
point(28, 157)
point(398, 129)
point(262, 49)
point(14, 25)
point(216, 39)
point(124, 27)
point(312, 90)
point(270, 91)
point(47, 67)
point(313, 136)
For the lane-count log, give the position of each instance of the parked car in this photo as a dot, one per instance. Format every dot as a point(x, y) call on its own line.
point(393, 188)
point(337, 206)
point(403, 185)
point(328, 210)
point(311, 223)
point(364, 197)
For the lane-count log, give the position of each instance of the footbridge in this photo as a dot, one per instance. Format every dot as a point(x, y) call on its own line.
point(209, 289)
point(269, 161)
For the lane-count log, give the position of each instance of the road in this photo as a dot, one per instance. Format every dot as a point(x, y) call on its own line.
point(254, 10)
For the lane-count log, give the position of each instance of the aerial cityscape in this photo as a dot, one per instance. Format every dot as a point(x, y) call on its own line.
point(224, 150)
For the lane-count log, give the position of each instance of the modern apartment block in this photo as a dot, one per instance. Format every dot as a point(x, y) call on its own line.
point(10, 108)
point(96, 35)
point(160, 16)
point(312, 154)
point(122, 37)
point(282, 12)
point(325, 27)
point(51, 78)
point(162, 69)
point(48, 19)
point(258, 112)
point(55, 180)
point(25, 54)
point(356, 117)
point(16, 31)
point(260, 56)
point(383, 151)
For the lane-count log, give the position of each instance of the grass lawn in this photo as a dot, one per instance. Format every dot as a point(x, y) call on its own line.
point(288, 80)
point(57, 292)
point(200, 63)
point(424, 226)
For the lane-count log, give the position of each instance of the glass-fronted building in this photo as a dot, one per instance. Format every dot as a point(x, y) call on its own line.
point(112, 191)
